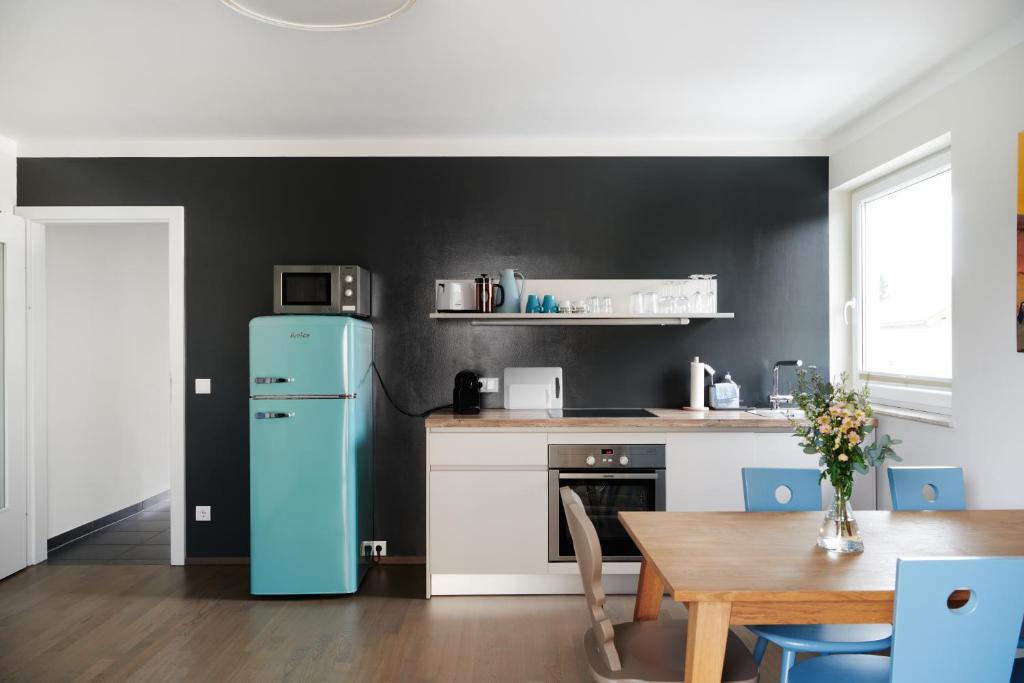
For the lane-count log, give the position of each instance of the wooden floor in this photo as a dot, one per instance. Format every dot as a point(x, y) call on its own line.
point(199, 623)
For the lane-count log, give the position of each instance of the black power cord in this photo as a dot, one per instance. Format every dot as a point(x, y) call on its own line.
point(373, 551)
point(399, 408)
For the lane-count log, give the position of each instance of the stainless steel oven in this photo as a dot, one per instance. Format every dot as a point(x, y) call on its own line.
point(609, 479)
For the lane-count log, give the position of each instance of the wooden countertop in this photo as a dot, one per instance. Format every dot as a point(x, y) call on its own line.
point(667, 420)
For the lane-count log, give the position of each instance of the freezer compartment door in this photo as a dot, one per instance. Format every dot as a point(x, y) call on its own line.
point(305, 355)
point(304, 490)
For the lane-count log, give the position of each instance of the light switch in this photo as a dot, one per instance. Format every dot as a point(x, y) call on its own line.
point(490, 385)
point(202, 386)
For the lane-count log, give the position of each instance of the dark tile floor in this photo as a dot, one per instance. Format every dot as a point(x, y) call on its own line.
point(143, 538)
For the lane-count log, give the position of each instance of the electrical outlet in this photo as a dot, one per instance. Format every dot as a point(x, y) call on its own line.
point(203, 385)
point(370, 548)
point(202, 513)
point(490, 385)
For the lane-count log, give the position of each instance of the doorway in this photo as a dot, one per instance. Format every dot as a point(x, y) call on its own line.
point(106, 334)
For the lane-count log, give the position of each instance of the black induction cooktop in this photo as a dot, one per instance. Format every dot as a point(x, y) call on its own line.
point(601, 412)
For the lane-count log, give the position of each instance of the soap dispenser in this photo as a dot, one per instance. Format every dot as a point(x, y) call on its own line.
point(725, 394)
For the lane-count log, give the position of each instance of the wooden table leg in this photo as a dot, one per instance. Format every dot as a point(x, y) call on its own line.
point(649, 591)
point(707, 634)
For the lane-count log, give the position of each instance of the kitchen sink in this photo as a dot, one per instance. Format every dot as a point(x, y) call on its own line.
point(780, 413)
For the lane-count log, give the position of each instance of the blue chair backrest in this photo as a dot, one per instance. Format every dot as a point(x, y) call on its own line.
point(941, 644)
point(761, 483)
point(907, 487)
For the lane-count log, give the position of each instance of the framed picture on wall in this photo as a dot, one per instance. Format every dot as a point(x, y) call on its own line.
point(1020, 243)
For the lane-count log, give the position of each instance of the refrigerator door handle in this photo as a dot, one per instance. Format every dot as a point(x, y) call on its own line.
point(348, 395)
point(274, 380)
point(268, 415)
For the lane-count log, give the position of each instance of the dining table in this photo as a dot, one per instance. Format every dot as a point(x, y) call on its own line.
point(749, 568)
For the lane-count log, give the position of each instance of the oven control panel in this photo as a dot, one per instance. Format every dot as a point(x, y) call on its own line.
point(568, 456)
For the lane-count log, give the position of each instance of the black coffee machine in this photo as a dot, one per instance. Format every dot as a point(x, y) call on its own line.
point(466, 396)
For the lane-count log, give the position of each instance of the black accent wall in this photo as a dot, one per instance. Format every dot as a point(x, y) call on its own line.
point(760, 223)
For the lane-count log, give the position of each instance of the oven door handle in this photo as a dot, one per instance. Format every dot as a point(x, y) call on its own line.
point(608, 475)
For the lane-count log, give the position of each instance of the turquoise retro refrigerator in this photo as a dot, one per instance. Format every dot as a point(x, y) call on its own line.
point(310, 451)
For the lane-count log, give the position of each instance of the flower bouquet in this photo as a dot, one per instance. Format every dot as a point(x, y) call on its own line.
point(838, 420)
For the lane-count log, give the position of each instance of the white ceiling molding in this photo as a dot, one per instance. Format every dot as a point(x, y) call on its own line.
point(421, 147)
point(943, 75)
point(318, 15)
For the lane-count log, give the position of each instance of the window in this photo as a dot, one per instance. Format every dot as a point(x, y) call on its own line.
point(903, 275)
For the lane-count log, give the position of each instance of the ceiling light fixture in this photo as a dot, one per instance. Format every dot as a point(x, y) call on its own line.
point(321, 15)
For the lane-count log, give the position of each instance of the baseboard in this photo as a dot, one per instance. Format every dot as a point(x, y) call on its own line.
point(403, 559)
point(387, 559)
point(104, 521)
point(217, 560)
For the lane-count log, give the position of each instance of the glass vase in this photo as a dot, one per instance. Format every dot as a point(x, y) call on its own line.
point(839, 531)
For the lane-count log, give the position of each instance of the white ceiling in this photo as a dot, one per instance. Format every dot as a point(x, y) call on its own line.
point(458, 69)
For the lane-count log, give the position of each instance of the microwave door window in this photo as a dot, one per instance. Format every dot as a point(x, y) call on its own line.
point(603, 500)
point(306, 289)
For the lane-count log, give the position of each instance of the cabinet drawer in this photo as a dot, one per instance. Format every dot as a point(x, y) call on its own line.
point(488, 449)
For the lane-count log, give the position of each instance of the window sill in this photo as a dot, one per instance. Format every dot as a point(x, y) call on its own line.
point(914, 415)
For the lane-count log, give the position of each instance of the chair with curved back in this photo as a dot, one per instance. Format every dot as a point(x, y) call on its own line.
point(761, 488)
point(927, 488)
point(937, 640)
point(639, 651)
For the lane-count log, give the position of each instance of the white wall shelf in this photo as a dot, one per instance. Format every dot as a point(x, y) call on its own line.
point(618, 291)
point(577, 318)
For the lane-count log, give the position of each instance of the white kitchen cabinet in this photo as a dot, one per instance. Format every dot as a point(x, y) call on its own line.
point(702, 471)
point(488, 522)
point(490, 449)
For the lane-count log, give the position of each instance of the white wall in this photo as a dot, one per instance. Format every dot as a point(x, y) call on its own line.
point(108, 385)
point(983, 112)
point(8, 175)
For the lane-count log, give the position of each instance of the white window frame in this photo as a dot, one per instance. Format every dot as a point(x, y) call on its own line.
point(925, 394)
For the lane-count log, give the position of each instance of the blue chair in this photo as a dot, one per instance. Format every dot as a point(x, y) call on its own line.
point(933, 641)
point(908, 487)
point(760, 487)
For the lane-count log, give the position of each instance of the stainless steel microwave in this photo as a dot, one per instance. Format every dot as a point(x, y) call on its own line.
point(324, 290)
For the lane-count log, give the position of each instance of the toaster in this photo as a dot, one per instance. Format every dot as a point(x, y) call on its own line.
point(455, 296)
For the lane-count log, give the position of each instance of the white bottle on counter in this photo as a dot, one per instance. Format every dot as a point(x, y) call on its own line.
point(697, 370)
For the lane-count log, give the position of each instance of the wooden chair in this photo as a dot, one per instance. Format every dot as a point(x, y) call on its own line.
point(935, 641)
point(635, 652)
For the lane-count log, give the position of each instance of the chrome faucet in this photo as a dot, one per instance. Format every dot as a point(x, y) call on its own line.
point(775, 397)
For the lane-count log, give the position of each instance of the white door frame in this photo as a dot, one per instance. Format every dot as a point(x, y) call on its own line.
point(174, 218)
point(13, 387)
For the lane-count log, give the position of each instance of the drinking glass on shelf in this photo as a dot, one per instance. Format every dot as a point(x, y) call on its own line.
point(580, 306)
point(606, 304)
point(594, 304)
point(666, 304)
point(636, 303)
point(650, 302)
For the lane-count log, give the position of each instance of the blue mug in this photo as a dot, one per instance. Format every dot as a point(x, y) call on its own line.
point(532, 304)
point(550, 305)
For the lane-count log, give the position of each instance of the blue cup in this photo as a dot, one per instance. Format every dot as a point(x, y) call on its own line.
point(550, 305)
point(532, 304)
